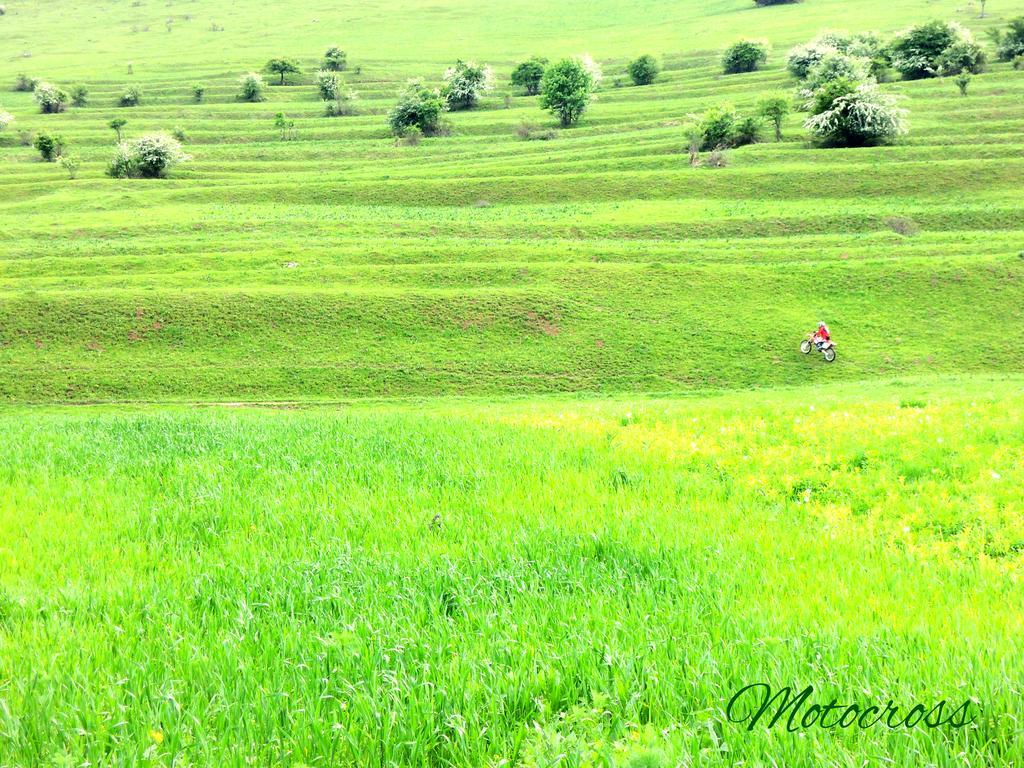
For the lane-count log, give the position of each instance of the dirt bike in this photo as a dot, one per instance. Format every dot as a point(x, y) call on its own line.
point(827, 348)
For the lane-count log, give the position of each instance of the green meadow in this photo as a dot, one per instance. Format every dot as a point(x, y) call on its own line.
point(484, 451)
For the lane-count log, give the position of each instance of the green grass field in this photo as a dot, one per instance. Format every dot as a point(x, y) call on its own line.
point(489, 452)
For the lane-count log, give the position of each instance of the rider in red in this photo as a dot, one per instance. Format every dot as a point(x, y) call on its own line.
point(822, 335)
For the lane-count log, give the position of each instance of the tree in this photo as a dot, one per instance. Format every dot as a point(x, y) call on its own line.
point(849, 115)
point(744, 56)
point(717, 128)
point(49, 145)
point(25, 83)
point(117, 124)
point(982, 16)
point(79, 96)
point(962, 81)
point(198, 91)
point(6, 120)
point(335, 59)
point(282, 67)
point(465, 83)
point(918, 51)
point(328, 84)
point(50, 98)
point(565, 90)
point(1010, 42)
point(131, 97)
point(643, 70)
point(419, 107)
point(962, 56)
point(527, 74)
point(285, 126)
point(252, 87)
point(775, 108)
point(70, 163)
point(150, 157)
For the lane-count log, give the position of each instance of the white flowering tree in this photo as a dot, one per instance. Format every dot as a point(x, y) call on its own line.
point(465, 83)
point(50, 98)
point(148, 157)
point(6, 119)
point(856, 117)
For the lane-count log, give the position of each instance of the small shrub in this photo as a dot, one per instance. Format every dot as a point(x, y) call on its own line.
point(747, 131)
point(70, 164)
point(419, 107)
point(962, 81)
point(717, 158)
point(901, 225)
point(252, 87)
point(149, 157)
point(343, 104)
point(198, 92)
point(131, 97)
point(566, 88)
point(50, 98)
point(79, 96)
point(527, 74)
point(1018, 63)
point(335, 59)
point(285, 126)
point(3, 10)
point(529, 132)
point(775, 108)
point(465, 83)
point(178, 133)
point(328, 84)
point(717, 128)
point(49, 145)
point(282, 67)
point(1010, 41)
point(744, 56)
point(643, 70)
point(963, 56)
point(412, 136)
point(25, 83)
point(116, 125)
point(6, 120)
point(856, 115)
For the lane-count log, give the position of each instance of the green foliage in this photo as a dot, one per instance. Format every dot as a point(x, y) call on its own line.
point(79, 96)
point(937, 47)
point(24, 83)
point(130, 97)
point(744, 56)
point(849, 115)
point(49, 145)
point(717, 128)
point(6, 120)
point(1010, 42)
point(344, 103)
point(418, 106)
point(71, 164)
point(465, 83)
point(149, 157)
point(198, 92)
point(643, 70)
point(251, 87)
point(747, 130)
point(963, 80)
point(335, 59)
point(774, 108)
point(527, 74)
point(565, 90)
point(116, 125)
point(50, 98)
point(285, 126)
point(328, 84)
point(281, 67)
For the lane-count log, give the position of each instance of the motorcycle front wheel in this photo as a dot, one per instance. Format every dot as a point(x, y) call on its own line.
point(805, 346)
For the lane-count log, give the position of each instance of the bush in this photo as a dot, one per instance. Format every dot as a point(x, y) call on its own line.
point(49, 145)
point(1010, 42)
point(328, 84)
point(198, 91)
point(282, 67)
point(131, 97)
point(343, 104)
point(148, 157)
point(918, 52)
point(566, 88)
point(747, 131)
point(963, 56)
point(716, 128)
point(529, 132)
point(335, 59)
point(412, 136)
point(527, 75)
point(717, 158)
point(850, 115)
point(835, 66)
point(252, 87)
point(963, 80)
point(1018, 62)
point(775, 108)
point(418, 107)
point(70, 163)
point(465, 83)
point(744, 56)
point(50, 98)
point(643, 70)
point(6, 120)
point(178, 133)
point(79, 96)
point(25, 83)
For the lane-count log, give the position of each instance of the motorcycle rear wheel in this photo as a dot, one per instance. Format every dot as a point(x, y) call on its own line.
point(829, 355)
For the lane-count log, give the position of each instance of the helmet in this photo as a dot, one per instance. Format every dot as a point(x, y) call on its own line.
point(821, 324)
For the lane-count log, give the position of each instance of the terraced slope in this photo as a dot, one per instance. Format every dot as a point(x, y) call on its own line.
point(340, 264)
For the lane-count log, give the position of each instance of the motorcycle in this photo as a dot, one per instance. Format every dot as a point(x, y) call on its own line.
point(827, 348)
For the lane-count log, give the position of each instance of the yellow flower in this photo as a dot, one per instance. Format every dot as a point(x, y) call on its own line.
point(157, 737)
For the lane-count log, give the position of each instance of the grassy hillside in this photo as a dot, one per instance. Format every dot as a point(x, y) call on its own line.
point(316, 588)
point(340, 264)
